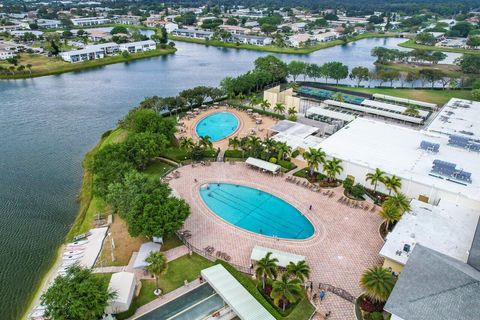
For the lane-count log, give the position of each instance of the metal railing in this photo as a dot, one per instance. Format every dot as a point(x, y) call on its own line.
point(211, 257)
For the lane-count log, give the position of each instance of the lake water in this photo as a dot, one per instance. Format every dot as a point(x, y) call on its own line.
point(47, 125)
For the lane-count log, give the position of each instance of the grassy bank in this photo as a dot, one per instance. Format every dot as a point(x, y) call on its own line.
point(412, 45)
point(439, 97)
point(450, 70)
point(288, 50)
point(44, 66)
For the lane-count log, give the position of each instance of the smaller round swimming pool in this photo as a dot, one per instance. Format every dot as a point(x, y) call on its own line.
point(256, 211)
point(217, 126)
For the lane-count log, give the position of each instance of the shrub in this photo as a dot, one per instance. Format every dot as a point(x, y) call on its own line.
point(273, 160)
point(348, 185)
point(295, 154)
point(125, 54)
point(292, 117)
point(358, 191)
point(234, 154)
point(286, 164)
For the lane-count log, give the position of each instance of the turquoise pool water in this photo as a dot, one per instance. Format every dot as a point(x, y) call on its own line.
point(217, 126)
point(257, 211)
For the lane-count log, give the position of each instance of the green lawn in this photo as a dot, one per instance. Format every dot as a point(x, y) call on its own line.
point(412, 45)
point(157, 169)
point(42, 65)
point(275, 49)
point(181, 269)
point(145, 296)
point(170, 242)
point(439, 97)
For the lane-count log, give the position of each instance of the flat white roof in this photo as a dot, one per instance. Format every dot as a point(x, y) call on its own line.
point(291, 128)
point(331, 114)
point(406, 101)
point(396, 150)
point(395, 108)
point(245, 306)
point(445, 228)
point(375, 111)
point(122, 283)
point(458, 117)
point(272, 167)
point(297, 142)
point(144, 252)
point(284, 258)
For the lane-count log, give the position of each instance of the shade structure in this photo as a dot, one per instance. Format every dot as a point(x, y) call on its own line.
point(245, 306)
point(272, 167)
point(123, 284)
point(284, 258)
point(143, 253)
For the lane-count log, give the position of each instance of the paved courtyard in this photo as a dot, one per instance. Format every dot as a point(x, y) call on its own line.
point(345, 242)
point(247, 123)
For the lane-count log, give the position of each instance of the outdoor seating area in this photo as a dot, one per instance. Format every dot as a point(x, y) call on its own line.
point(219, 254)
point(356, 204)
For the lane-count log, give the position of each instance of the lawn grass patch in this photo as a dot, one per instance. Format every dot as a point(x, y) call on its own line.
point(170, 242)
point(157, 169)
point(43, 66)
point(145, 296)
point(412, 45)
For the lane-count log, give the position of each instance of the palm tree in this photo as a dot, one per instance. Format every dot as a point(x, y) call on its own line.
point(266, 268)
point(187, 144)
point(264, 104)
point(399, 200)
point(291, 111)
point(389, 214)
point(29, 67)
point(332, 168)
point(269, 144)
point(157, 266)
point(282, 149)
point(279, 108)
point(377, 282)
point(253, 145)
point(314, 157)
point(286, 289)
point(375, 177)
point(253, 101)
point(392, 183)
point(205, 142)
point(338, 97)
point(234, 143)
point(300, 270)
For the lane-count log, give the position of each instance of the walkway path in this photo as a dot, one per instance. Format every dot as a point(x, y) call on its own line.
point(112, 269)
point(221, 155)
point(175, 253)
point(165, 298)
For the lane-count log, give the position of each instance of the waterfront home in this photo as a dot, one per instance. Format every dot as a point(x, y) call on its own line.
point(298, 39)
point(154, 20)
point(170, 26)
point(49, 24)
point(247, 39)
point(190, 33)
point(91, 52)
point(5, 54)
point(139, 46)
point(90, 21)
point(326, 36)
point(10, 28)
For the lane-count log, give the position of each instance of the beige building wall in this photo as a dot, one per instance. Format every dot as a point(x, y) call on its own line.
point(395, 266)
point(274, 96)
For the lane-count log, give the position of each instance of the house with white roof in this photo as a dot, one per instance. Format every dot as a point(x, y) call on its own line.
point(138, 46)
point(90, 21)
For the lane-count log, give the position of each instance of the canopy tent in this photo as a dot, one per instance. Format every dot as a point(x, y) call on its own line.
point(284, 258)
point(245, 306)
point(123, 283)
point(331, 114)
point(272, 167)
point(143, 253)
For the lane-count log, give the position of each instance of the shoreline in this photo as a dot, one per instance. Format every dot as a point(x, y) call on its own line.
point(286, 50)
point(72, 67)
point(412, 45)
point(78, 223)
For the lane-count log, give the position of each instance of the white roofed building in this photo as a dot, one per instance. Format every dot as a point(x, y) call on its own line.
point(123, 284)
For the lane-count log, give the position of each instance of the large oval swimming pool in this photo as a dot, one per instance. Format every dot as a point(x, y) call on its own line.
point(217, 126)
point(256, 211)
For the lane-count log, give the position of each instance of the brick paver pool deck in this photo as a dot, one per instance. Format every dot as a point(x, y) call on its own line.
point(345, 242)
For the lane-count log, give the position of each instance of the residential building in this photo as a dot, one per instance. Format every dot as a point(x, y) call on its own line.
point(5, 54)
point(235, 29)
point(91, 52)
point(154, 20)
point(98, 35)
point(255, 40)
point(326, 36)
point(170, 27)
point(297, 40)
point(90, 21)
point(127, 19)
point(48, 24)
point(190, 33)
point(139, 46)
point(10, 28)
point(298, 26)
point(251, 24)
